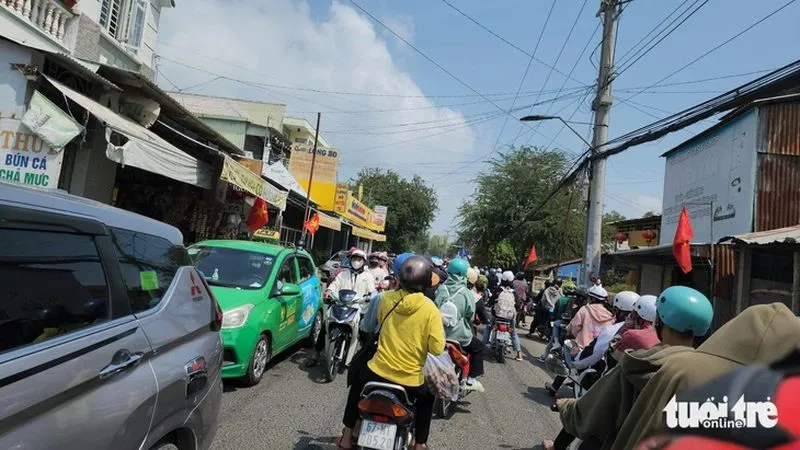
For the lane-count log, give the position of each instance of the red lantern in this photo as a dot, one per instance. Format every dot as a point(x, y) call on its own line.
point(649, 235)
point(621, 237)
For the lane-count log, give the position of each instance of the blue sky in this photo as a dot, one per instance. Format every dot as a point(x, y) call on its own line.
point(317, 43)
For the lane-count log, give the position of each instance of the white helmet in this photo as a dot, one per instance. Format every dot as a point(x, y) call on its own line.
point(358, 252)
point(597, 292)
point(645, 307)
point(507, 276)
point(625, 300)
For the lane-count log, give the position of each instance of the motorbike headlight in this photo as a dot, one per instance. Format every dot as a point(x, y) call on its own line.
point(236, 317)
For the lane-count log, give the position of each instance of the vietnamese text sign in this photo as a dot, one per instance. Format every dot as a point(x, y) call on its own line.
point(241, 176)
point(323, 189)
point(713, 178)
point(359, 212)
point(379, 219)
point(340, 199)
point(25, 158)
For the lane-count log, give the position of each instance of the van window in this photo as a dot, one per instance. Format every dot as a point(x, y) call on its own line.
point(306, 268)
point(50, 284)
point(148, 264)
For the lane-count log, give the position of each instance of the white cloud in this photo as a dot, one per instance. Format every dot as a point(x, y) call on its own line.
point(648, 203)
point(278, 42)
point(403, 26)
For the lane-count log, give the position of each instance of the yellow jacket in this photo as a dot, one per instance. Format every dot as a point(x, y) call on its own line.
point(408, 334)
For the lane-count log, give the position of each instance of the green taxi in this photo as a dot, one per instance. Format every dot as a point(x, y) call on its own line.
point(270, 297)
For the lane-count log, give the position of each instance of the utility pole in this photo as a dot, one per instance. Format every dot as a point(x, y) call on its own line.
point(307, 213)
point(609, 10)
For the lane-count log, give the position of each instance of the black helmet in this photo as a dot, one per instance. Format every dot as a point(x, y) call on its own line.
point(416, 274)
point(548, 283)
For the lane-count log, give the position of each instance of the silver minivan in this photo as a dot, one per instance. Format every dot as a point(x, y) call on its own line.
point(109, 338)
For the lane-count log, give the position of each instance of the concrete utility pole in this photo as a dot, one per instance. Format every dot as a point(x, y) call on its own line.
point(609, 10)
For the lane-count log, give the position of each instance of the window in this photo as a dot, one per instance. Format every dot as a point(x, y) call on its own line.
point(306, 268)
point(110, 15)
point(287, 273)
point(230, 267)
point(139, 16)
point(148, 264)
point(50, 284)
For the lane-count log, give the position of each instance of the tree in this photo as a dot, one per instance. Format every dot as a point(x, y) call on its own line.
point(412, 205)
point(501, 220)
point(609, 231)
point(432, 244)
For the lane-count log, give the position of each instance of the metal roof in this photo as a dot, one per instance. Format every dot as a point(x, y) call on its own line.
point(788, 235)
point(212, 107)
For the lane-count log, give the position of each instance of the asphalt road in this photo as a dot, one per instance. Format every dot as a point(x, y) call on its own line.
point(292, 408)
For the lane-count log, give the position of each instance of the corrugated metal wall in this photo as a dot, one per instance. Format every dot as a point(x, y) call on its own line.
point(778, 178)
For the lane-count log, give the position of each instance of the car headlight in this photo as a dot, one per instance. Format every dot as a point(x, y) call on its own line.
point(236, 317)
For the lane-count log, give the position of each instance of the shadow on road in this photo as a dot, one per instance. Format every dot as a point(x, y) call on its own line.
point(308, 442)
point(539, 395)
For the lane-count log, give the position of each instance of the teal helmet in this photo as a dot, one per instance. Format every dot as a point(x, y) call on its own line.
point(685, 309)
point(458, 267)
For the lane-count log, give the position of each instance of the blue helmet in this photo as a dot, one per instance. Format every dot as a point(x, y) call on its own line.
point(399, 260)
point(458, 266)
point(685, 309)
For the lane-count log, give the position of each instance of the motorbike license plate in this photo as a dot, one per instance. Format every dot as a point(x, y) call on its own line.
point(503, 336)
point(378, 436)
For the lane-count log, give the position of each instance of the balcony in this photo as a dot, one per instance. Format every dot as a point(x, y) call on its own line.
point(48, 16)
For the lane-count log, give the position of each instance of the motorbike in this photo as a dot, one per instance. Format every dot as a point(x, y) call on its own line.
point(445, 407)
point(343, 318)
point(387, 418)
point(500, 341)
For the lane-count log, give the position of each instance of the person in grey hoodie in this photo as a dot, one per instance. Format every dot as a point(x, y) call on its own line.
point(455, 288)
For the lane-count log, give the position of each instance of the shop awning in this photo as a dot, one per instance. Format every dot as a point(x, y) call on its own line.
point(241, 176)
point(367, 234)
point(144, 149)
point(329, 222)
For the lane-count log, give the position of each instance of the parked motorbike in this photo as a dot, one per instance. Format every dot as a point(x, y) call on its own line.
point(387, 418)
point(445, 407)
point(500, 341)
point(343, 319)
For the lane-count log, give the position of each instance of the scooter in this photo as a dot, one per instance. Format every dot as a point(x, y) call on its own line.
point(343, 319)
point(445, 407)
point(500, 341)
point(388, 418)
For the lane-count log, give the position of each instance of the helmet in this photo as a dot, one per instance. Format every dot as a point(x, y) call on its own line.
point(398, 261)
point(472, 275)
point(415, 274)
point(555, 365)
point(597, 293)
point(548, 283)
point(626, 300)
point(492, 271)
point(645, 307)
point(685, 309)
point(437, 261)
point(507, 276)
point(520, 275)
point(357, 252)
point(458, 267)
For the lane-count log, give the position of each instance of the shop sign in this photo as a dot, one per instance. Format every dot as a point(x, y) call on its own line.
point(330, 222)
point(241, 176)
point(362, 233)
point(326, 164)
point(379, 218)
point(269, 235)
point(359, 212)
point(25, 158)
point(340, 202)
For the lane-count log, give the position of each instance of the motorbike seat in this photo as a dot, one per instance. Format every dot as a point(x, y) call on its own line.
point(391, 391)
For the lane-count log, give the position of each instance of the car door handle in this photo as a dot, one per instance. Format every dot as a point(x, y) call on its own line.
point(121, 361)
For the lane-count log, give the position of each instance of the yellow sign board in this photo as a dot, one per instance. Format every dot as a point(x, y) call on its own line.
point(329, 222)
point(366, 234)
point(340, 199)
point(323, 189)
point(267, 235)
point(358, 212)
point(241, 176)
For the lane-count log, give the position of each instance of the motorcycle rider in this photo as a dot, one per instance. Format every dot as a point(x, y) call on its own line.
point(624, 304)
point(455, 289)
point(370, 321)
point(598, 415)
point(589, 321)
point(377, 266)
point(520, 287)
point(506, 286)
point(411, 329)
point(638, 331)
point(356, 279)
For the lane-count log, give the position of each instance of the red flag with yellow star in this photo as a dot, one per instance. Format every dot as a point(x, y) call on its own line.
point(258, 215)
point(312, 224)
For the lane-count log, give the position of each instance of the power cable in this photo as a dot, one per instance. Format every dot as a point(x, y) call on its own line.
point(635, 47)
point(516, 47)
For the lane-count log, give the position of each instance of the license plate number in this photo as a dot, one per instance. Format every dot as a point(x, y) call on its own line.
point(378, 436)
point(503, 336)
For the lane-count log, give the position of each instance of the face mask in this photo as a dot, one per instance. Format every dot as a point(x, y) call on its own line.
point(373, 264)
point(357, 264)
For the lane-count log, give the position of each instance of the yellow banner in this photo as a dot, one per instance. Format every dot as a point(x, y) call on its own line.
point(359, 213)
point(340, 200)
point(366, 234)
point(241, 176)
point(329, 222)
point(323, 189)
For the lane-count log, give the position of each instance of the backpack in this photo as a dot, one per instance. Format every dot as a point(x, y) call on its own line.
point(449, 310)
point(505, 307)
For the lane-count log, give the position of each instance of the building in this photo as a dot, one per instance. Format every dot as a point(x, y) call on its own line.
point(120, 33)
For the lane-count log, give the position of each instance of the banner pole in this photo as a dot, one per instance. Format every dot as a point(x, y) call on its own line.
point(310, 181)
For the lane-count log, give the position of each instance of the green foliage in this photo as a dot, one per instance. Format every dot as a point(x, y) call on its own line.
point(432, 244)
point(412, 205)
point(609, 232)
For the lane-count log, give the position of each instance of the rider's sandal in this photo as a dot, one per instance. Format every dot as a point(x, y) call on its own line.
point(519, 358)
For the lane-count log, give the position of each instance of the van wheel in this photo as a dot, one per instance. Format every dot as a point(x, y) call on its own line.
point(316, 329)
point(262, 353)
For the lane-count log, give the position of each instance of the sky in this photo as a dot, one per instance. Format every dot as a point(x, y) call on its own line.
point(443, 110)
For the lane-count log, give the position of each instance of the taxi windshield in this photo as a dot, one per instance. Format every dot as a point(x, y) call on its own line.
point(232, 268)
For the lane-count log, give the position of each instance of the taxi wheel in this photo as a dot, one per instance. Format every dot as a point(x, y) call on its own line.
point(262, 353)
point(316, 329)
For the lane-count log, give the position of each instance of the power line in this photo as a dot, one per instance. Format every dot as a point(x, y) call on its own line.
point(652, 30)
point(516, 47)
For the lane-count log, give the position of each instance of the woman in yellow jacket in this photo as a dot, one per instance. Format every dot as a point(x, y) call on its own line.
point(412, 328)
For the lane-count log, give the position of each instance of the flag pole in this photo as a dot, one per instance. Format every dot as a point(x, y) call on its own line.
point(310, 180)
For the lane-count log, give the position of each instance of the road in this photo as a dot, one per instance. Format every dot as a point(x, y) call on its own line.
point(293, 408)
